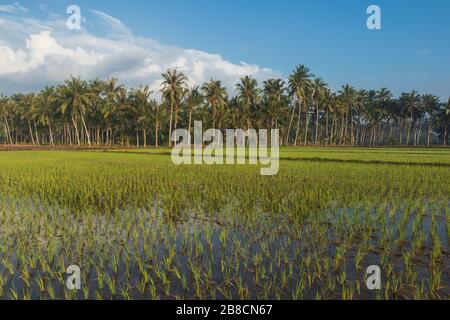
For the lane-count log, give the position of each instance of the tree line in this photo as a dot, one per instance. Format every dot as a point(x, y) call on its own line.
point(304, 109)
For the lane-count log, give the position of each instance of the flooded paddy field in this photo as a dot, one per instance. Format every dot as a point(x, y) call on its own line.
point(139, 227)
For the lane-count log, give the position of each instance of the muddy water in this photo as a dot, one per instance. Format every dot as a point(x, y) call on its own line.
point(266, 258)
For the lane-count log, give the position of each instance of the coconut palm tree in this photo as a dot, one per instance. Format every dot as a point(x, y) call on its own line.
point(44, 109)
point(442, 122)
point(274, 101)
point(111, 91)
point(75, 100)
point(318, 87)
point(430, 107)
point(234, 113)
point(124, 116)
point(5, 110)
point(142, 110)
point(215, 98)
point(248, 97)
point(372, 114)
point(193, 101)
point(96, 107)
point(329, 104)
point(156, 116)
point(106, 112)
point(24, 108)
point(299, 85)
point(384, 104)
point(411, 102)
point(349, 96)
point(173, 89)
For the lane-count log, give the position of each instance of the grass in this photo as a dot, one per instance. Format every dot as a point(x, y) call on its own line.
point(140, 227)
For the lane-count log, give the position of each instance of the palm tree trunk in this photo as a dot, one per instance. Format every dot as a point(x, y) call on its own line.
point(175, 117)
point(352, 132)
point(190, 121)
point(144, 132)
point(316, 138)
point(214, 111)
point(372, 137)
point(76, 130)
point(51, 134)
point(327, 138)
point(156, 134)
point(381, 135)
point(419, 131)
point(36, 131)
point(409, 129)
point(86, 130)
point(345, 127)
point(333, 128)
point(6, 134)
point(31, 132)
point(137, 138)
point(67, 134)
point(170, 125)
point(306, 125)
point(400, 132)
point(415, 134)
point(445, 137)
point(298, 122)
point(391, 132)
point(290, 125)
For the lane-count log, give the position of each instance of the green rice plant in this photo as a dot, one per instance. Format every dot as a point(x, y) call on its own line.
point(2, 284)
point(125, 292)
point(419, 292)
point(13, 293)
point(86, 292)
point(342, 278)
point(149, 229)
point(51, 291)
point(435, 281)
point(98, 295)
point(347, 292)
point(26, 294)
point(111, 283)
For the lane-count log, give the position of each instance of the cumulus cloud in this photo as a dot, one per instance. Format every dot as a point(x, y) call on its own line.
point(41, 49)
point(36, 53)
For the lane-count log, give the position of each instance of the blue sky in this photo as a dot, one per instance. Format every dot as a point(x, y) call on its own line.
point(412, 51)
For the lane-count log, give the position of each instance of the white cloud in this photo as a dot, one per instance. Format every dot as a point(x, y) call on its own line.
point(42, 49)
point(13, 8)
point(114, 24)
point(36, 53)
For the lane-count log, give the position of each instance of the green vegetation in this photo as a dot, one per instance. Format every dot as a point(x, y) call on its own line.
point(140, 227)
point(304, 109)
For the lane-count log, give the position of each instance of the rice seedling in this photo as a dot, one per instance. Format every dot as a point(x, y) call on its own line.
point(140, 227)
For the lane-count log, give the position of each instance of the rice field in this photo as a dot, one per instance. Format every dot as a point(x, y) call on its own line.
point(140, 227)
